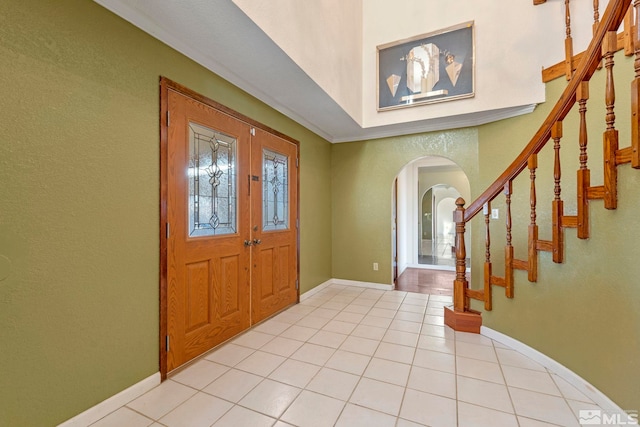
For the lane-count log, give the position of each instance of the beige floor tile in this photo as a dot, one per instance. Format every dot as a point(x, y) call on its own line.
point(543, 407)
point(405, 326)
point(513, 358)
point(333, 383)
point(402, 338)
point(379, 396)
point(260, 363)
point(477, 416)
point(479, 369)
point(339, 326)
point(295, 373)
point(358, 416)
point(313, 353)
point(530, 380)
point(162, 399)
point(313, 410)
point(229, 354)
point(282, 346)
point(388, 371)
point(360, 345)
point(431, 381)
point(443, 345)
point(201, 410)
point(233, 385)
point(348, 362)
point(377, 321)
point(328, 339)
point(270, 398)
point(253, 339)
point(435, 360)
point(299, 333)
point(395, 352)
point(123, 417)
point(371, 332)
point(476, 351)
point(272, 327)
point(200, 374)
point(484, 393)
point(429, 409)
point(239, 416)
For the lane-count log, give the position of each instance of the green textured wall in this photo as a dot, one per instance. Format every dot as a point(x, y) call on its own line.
point(79, 205)
point(582, 313)
point(362, 176)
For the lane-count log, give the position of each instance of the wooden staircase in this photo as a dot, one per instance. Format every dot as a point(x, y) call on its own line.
point(578, 70)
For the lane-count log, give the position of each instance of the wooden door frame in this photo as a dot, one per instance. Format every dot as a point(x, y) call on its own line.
point(166, 85)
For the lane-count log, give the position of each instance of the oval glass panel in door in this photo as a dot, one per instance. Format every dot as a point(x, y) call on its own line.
point(212, 182)
point(275, 191)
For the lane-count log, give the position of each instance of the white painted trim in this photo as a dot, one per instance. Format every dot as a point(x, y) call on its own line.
point(562, 371)
point(113, 403)
point(435, 267)
point(371, 285)
point(315, 290)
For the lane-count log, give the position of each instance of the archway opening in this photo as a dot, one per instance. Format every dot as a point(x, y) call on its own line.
point(424, 201)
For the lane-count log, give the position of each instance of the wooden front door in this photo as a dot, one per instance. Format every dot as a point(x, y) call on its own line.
point(208, 216)
point(274, 224)
point(229, 213)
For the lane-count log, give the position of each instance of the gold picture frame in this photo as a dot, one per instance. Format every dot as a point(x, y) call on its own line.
point(429, 68)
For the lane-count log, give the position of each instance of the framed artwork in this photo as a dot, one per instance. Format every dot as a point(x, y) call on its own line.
point(434, 67)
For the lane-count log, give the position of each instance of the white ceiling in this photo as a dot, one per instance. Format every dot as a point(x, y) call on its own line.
point(219, 36)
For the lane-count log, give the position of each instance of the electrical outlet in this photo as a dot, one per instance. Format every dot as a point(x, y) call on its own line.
point(375, 266)
point(495, 213)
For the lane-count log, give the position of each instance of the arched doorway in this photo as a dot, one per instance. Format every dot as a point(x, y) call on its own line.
point(428, 185)
point(437, 232)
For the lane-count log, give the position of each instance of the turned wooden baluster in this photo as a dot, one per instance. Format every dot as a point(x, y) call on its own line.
point(628, 32)
point(596, 20)
point(610, 137)
point(635, 92)
point(533, 227)
point(558, 204)
point(460, 285)
point(487, 258)
point(568, 43)
point(584, 175)
point(508, 256)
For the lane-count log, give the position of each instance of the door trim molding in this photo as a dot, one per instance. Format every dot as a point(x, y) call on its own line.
point(165, 86)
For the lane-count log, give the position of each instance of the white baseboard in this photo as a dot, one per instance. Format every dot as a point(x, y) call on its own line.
point(562, 371)
point(344, 282)
point(315, 290)
point(113, 403)
point(370, 285)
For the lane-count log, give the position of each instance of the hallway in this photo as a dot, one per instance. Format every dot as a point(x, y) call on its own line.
point(350, 356)
point(426, 281)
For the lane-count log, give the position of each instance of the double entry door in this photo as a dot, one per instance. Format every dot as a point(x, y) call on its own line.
point(232, 226)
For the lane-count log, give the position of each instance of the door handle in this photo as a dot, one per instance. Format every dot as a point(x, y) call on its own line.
point(257, 241)
point(248, 243)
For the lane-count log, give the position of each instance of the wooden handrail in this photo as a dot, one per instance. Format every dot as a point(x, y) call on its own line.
point(611, 20)
point(603, 45)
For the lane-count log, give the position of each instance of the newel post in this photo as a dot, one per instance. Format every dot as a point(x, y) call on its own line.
point(460, 285)
point(461, 317)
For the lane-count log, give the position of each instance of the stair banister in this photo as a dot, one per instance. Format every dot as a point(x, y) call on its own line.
point(590, 61)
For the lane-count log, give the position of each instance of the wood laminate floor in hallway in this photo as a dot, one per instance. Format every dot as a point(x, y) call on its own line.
point(426, 281)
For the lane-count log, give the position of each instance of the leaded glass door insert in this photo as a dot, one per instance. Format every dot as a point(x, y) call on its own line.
point(212, 182)
point(275, 194)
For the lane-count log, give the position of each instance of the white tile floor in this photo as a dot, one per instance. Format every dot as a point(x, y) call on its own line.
point(352, 357)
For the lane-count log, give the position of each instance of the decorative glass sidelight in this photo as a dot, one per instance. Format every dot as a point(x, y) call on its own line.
point(275, 191)
point(212, 182)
